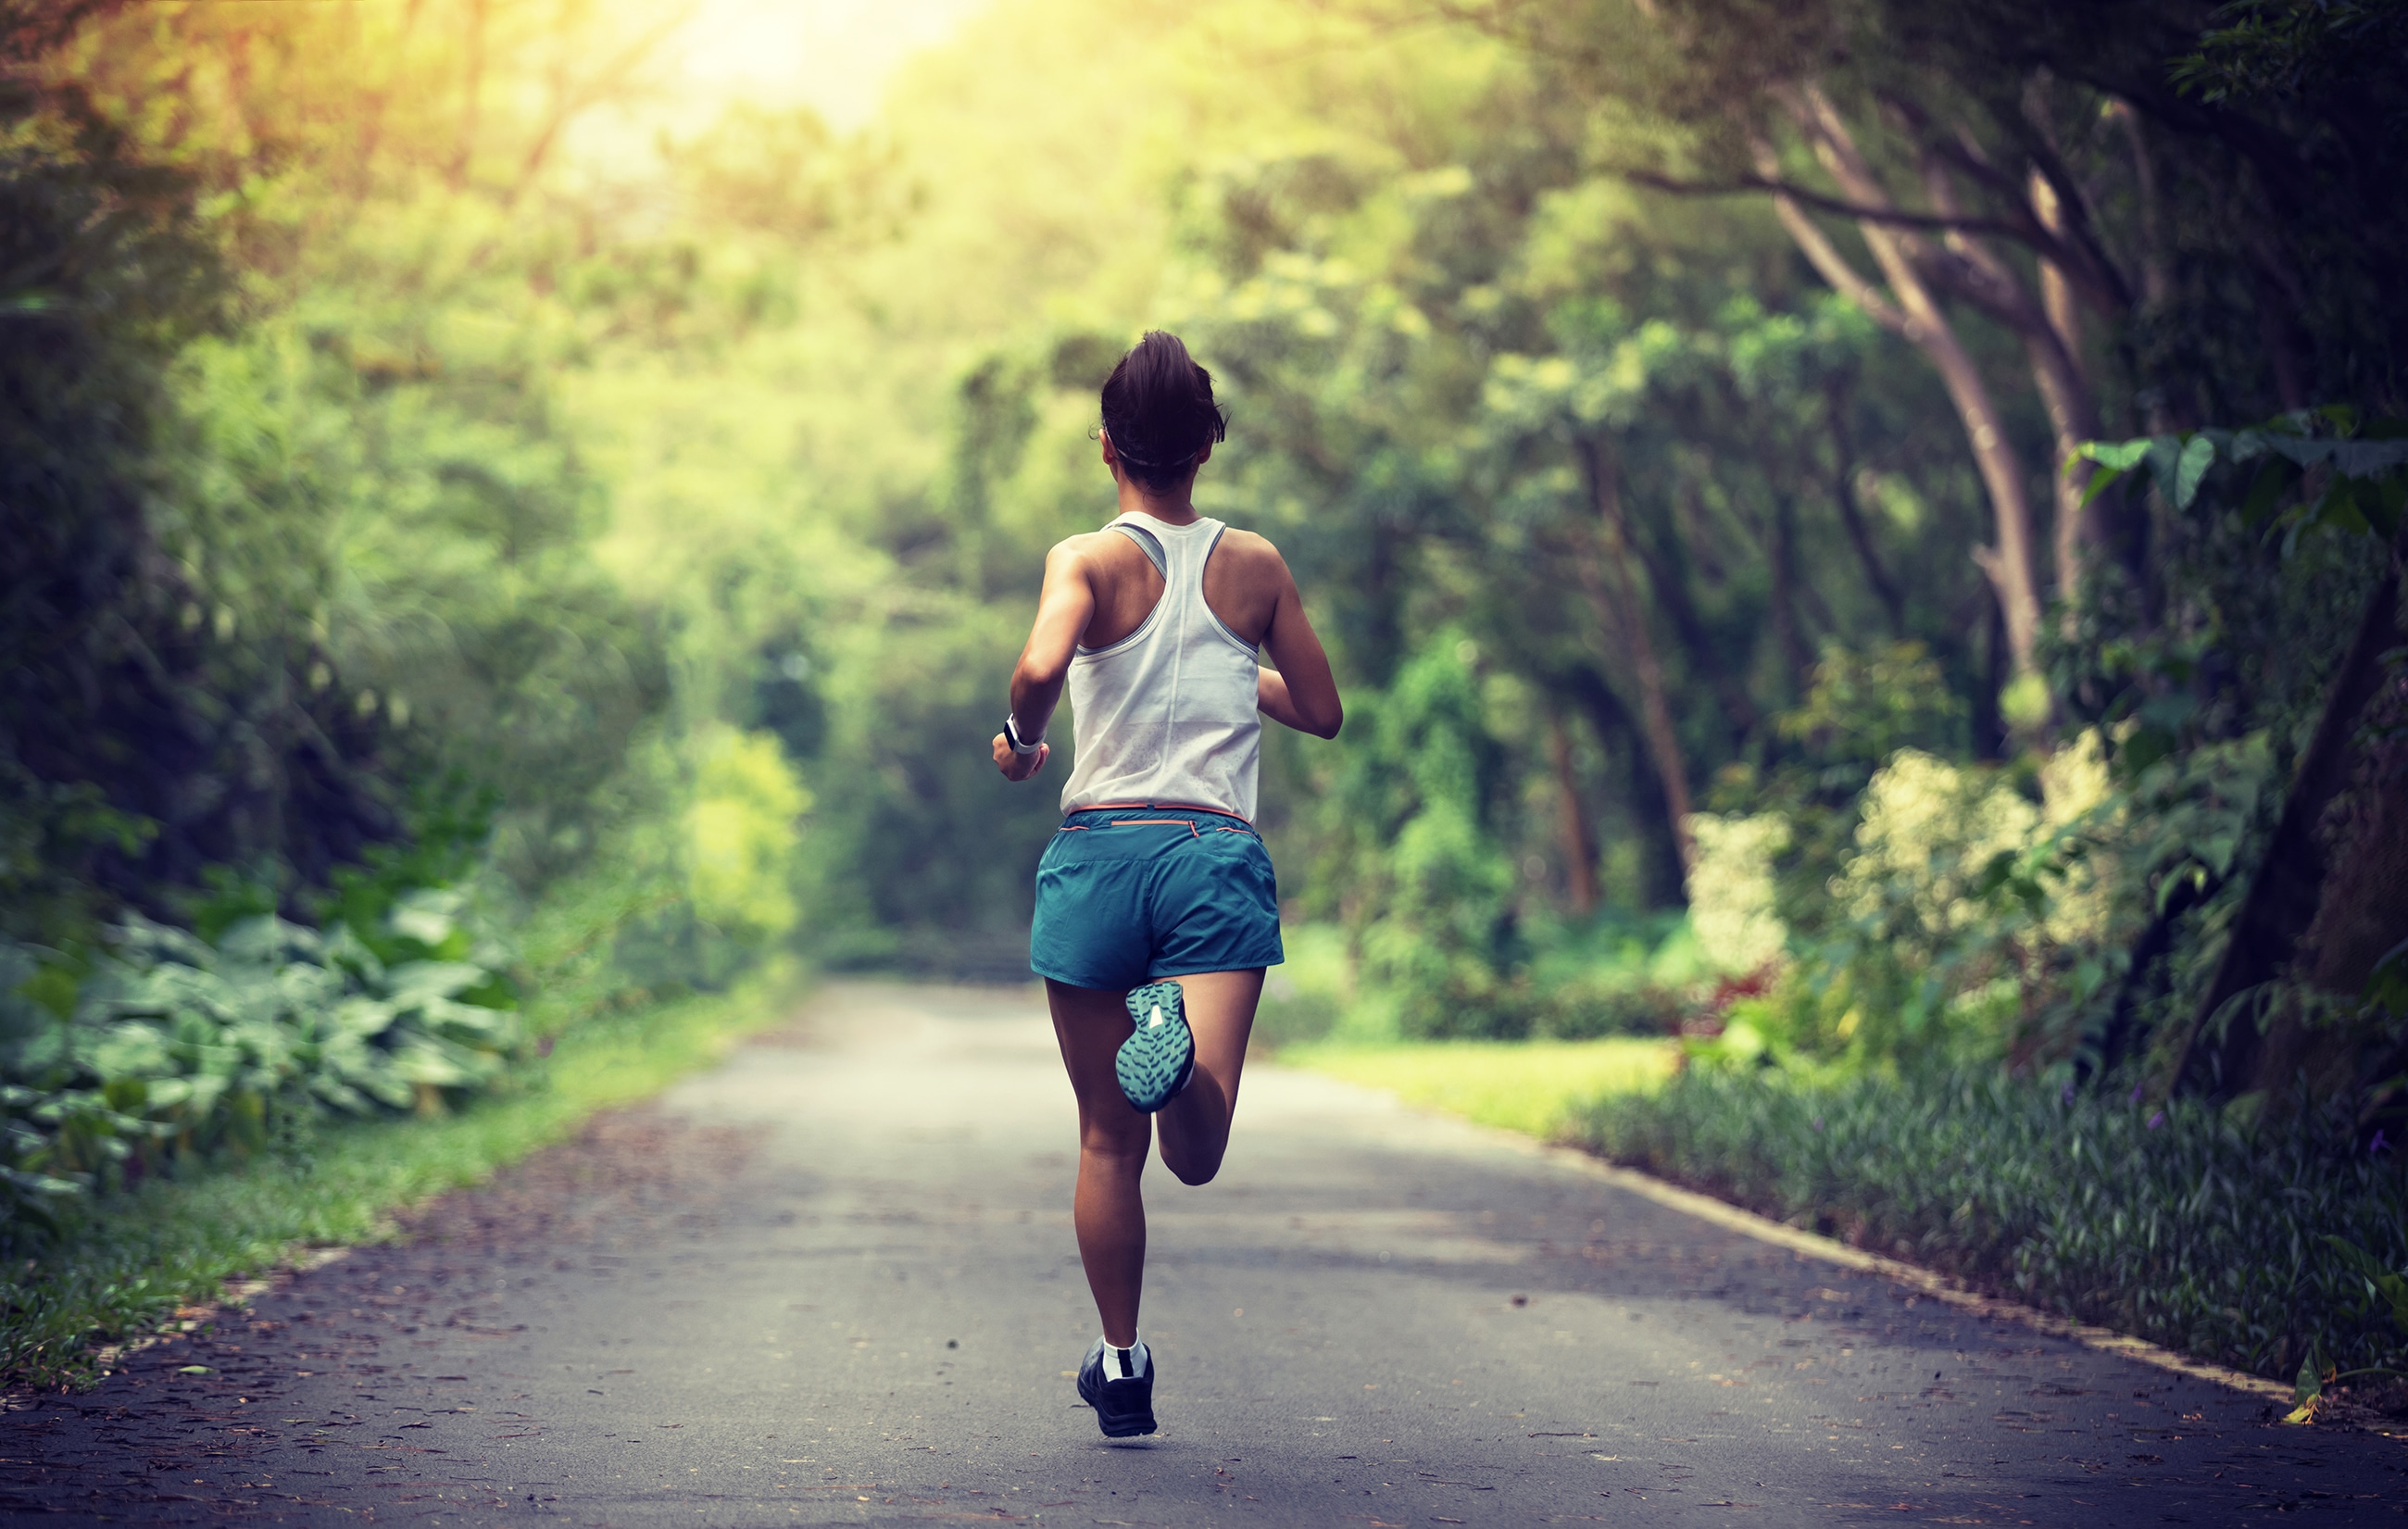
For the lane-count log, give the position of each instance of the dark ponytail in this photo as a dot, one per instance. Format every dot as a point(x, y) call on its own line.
point(1159, 411)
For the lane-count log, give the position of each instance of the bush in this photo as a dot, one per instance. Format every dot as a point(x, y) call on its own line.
point(1584, 1010)
point(1305, 997)
point(169, 1050)
point(1290, 1014)
point(2176, 1224)
point(1431, 885)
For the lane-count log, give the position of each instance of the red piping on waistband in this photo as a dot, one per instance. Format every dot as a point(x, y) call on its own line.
point(1167, 807)
point(1174, 806)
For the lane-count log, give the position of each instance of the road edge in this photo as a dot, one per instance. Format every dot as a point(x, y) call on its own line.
point(1923, 1281)
point(770, 996)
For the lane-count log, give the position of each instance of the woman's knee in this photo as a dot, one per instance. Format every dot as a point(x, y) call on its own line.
point(1192, 1167)
point(1116, 1145)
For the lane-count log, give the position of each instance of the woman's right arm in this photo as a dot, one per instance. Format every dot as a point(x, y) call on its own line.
point(1064, 606)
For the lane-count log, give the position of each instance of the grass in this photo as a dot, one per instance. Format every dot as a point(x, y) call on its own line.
point(2172, 1222)
point(123, 1269)
point(1527, 1086)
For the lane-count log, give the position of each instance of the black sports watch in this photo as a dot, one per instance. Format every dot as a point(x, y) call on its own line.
point(1012, 736)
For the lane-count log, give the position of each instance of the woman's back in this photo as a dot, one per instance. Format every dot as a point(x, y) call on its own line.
point(1166, 709)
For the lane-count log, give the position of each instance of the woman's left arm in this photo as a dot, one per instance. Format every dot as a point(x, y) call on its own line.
point(1301, 693)
point(1064, 608)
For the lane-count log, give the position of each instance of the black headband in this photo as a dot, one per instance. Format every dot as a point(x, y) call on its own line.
point(1145, 458)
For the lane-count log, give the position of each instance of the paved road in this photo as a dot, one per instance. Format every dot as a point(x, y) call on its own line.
point(832, 1282)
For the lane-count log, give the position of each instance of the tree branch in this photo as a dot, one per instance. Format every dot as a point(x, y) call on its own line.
point(1830, 264)
point(2080, 256)
point(1894, 216)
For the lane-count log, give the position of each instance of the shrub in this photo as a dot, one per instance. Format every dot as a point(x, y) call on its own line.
point(1731, 894)
point(2176, 1223)
point(1290, 1015)
point(1581, 1010)
point(1431, 886)
point(169, 1050)
point(1304, 997)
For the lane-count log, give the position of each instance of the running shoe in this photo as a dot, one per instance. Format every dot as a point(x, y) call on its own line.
point(1124, 1403)
point(1155, 1061)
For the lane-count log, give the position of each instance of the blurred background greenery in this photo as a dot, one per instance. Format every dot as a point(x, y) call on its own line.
point(1860, 538)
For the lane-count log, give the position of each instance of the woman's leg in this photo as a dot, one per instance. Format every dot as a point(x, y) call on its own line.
point(1109, 1209)
point(1090, 1023)
point(1195, 1126)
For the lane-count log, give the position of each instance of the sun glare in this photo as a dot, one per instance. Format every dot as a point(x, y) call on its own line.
point(835, 56)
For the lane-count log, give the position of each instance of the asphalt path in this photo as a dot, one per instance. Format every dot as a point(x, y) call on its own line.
point(832, 1282)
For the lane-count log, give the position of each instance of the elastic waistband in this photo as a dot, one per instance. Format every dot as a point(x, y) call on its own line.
point(1198, 820)
point(1164, 807)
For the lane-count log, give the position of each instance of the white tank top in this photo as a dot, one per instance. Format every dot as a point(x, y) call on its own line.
point(1167, 713)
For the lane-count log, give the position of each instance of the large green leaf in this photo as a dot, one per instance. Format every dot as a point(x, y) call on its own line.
point(415, 983)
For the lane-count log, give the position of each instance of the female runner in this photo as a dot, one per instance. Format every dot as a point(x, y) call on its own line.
point(1156, 910)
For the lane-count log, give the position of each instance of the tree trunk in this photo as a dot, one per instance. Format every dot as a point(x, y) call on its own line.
point(1852, 517)
point(1782, 553)
point(1673, 597)
point(2052, 337)
point(1616, 598)
point(1580, 852)
point(1990, 739)
point(2073, 419)
point(2288, 888)
point(2157, 286)
point(2083, 531)
point(1918, 316)
point(1660, 871)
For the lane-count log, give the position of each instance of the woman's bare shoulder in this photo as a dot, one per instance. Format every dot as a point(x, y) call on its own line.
point(1091, 550)
point(1253, 554)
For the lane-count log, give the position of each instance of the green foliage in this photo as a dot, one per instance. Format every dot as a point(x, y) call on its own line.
point(413, 499)
point(1865, 704)
point(166, 1052)
point(2282, 49)
point(1305, 996)
point(1733, 908)
point(2362, 489)
point(2170, 1220)
point(148, 727)
point(2276, 534)
point(1590, 1007)
point(1429, 884)
point(741, 834)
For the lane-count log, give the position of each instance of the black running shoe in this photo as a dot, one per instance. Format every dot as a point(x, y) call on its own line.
point(1124, 1403)
point(1155, 1061)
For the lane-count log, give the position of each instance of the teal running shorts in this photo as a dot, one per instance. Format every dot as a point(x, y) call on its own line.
point(1128, 896)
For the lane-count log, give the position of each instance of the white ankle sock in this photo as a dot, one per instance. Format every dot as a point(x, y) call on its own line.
point(1112, 1354)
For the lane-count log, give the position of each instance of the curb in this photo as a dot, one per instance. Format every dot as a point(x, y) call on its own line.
point(1921, 1280)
